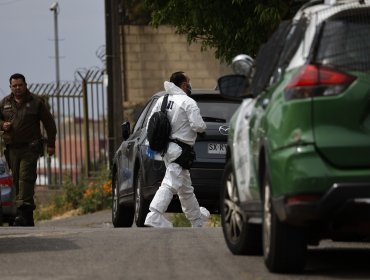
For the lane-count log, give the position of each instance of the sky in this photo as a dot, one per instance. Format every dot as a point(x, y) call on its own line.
point(27, 39)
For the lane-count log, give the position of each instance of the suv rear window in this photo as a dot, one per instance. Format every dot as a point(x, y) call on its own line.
point(345, 41)
point(217, 111)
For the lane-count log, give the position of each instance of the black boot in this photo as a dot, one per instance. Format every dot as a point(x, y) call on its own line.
point(24, 217)
point(19, 220)
point(28, 217)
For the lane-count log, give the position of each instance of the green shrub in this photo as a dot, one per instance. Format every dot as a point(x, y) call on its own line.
point(90, 195)
point(73, 194)
point(179, 220)
point(97, 196)
point(214, 221)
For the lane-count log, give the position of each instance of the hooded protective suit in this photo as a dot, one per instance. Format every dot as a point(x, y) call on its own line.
point(186, 122)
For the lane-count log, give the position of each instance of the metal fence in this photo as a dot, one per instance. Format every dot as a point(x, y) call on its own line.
point(80, 111)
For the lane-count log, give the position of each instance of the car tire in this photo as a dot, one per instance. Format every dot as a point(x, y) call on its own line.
point(284, 246)
point(141, 205)
point(122, 216)
point(242, 238)
point(9, 220)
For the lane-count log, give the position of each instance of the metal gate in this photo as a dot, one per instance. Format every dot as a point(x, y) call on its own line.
point(80, 112)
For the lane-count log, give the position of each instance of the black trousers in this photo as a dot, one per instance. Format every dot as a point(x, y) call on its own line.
point(23, 163)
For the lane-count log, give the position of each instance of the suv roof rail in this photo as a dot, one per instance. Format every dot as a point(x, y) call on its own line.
point(310, 3)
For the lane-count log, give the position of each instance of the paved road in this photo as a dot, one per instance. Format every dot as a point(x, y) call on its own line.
point(88, 247)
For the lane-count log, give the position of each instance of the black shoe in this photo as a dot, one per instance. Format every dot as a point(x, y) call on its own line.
point(24, 217)
point(28, 218)
point(19, 221)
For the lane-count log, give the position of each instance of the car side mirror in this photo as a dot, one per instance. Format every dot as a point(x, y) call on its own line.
point(126, 130)
point(236, 86)
point(233, 86)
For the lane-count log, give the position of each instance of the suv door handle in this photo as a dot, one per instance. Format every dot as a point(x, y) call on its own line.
point(129, 145)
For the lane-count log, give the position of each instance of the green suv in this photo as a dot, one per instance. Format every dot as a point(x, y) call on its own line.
point(298, 159)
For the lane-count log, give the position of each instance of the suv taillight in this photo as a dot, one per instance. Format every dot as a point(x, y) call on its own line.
point(6, 182)
point(315, 81)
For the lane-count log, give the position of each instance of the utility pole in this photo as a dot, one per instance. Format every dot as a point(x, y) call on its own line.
point(55, 9)
point(113, 64)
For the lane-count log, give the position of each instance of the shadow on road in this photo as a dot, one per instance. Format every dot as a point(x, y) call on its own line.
point(341, 263)
point(24, 244)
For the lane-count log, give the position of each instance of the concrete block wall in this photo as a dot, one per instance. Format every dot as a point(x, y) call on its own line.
point(152, 54)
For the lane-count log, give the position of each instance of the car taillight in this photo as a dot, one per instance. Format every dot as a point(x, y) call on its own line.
point(315, 81)
point(6, 182)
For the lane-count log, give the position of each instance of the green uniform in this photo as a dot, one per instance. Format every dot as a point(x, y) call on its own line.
point(23, 141)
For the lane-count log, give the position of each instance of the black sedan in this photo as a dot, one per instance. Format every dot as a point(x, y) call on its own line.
point(7, 195)
point(137, 172)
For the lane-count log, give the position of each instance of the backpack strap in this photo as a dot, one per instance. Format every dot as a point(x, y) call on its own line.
point(164, 103)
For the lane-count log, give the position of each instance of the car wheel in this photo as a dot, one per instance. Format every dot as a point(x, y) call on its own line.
point(141, 205)
point(122, 216)
point(9, 220)
point(284, 246)
point(242, 238)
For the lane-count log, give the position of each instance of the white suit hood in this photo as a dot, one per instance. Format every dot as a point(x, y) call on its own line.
point(171, 88)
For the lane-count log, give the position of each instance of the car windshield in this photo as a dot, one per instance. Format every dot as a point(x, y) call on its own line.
point(350, 31)
point(216, 111)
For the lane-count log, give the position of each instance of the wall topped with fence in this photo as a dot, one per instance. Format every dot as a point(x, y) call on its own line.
point(80, 111)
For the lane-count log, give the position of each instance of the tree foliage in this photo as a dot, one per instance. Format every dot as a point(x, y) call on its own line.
point(134, 12)
point(229, 27)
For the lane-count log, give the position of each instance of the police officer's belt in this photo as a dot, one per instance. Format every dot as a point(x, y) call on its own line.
point(24, 145)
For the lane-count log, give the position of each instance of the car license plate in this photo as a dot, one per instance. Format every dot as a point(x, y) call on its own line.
point(216, 148)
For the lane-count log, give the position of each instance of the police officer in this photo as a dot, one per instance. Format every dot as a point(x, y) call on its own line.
point(186, 122)
point(20, 115)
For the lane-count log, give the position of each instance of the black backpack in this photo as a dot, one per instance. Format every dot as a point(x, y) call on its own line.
point(159, 129)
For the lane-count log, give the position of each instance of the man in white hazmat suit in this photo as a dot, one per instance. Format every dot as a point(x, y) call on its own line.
point(186, 122)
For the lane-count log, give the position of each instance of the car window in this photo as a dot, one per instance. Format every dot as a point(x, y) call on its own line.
point(267, 59)
point(351, 31)
point(217, 111)
point(141, 122)
point(150, 108)
point(292, 42)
